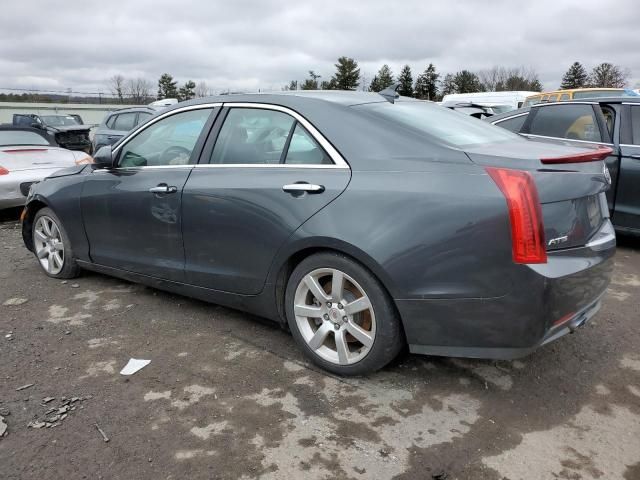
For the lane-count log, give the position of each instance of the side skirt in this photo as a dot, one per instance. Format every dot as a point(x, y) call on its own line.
point(262, 305)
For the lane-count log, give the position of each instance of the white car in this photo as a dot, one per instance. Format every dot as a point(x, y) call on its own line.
point(27, 155)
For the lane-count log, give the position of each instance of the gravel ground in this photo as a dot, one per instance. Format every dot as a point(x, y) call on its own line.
point(228, 395)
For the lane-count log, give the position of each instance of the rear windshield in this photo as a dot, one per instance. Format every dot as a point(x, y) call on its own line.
point(18, 137)
point(440, 123)
point(59, 120)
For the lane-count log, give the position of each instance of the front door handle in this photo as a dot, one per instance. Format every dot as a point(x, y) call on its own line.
point(163, 188)
point(303, 187)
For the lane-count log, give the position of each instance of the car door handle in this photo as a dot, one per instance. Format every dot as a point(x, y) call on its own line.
point(303, 187)
point(637, 156)
point(163, 188)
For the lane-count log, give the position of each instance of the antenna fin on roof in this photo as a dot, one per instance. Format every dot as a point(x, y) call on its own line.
point(390, 93)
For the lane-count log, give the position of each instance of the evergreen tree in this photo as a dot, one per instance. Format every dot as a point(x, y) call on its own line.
point(406, 82)
point(575, 77)
point(426, 86)
point(449, 85)
point(467, 82)
point(382, 79)
point(293, 85)
point(347, 74)
point(187, 91)
point(312, 82)
point(607, 75)
point(167, 87)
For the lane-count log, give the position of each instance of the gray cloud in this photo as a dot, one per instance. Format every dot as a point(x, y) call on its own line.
point(262, 44)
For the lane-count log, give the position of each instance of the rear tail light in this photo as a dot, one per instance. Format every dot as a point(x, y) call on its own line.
point(525, 214)
point(3, 171)
point(594, 155)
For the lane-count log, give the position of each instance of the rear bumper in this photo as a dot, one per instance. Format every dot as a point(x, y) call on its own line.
point(546, 302)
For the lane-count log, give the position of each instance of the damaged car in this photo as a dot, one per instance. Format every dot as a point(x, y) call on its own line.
point(64, 129)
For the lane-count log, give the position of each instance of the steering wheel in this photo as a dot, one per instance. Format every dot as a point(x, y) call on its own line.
point(175, 155)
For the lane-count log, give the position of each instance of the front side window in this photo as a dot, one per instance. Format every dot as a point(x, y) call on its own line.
point(125, 122)
point(513, 124)
point(169, 141)
point(574, 122)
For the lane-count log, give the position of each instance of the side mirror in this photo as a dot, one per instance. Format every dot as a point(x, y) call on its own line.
point(103, 158)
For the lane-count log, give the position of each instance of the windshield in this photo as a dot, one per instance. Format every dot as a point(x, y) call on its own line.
point(19, 137)
point(441, 123)
point(59, 120)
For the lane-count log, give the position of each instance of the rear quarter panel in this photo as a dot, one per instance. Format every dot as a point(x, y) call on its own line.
point(439, 233)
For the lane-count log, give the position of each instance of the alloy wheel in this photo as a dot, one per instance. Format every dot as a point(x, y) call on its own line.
point(49, 246)
point(334, 316)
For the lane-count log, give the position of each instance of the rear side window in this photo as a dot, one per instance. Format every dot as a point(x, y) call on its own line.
point(143, 117)
point(110, 121)
point(125, 121)
point(635, 124)
point(513, 124)
point(304, 150)
point(574, 122)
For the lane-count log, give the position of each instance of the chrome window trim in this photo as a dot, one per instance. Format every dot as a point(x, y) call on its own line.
point(571, 102)
point(567, 139)
point(270, 165)
point(509, 118)
point(629, 145)
point(338, 160)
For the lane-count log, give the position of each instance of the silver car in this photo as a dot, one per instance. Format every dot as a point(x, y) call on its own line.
point(27, 155)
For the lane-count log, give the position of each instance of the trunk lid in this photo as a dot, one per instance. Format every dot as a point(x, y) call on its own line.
point(22, 158)
point(571, 194)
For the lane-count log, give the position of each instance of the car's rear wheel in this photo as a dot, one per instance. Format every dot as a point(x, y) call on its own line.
point(341, 315)
point(52, 247)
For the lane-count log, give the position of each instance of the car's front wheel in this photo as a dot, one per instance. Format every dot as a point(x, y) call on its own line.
point(341, 315)
point(52, 247)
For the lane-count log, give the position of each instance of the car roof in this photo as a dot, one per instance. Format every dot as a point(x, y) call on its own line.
point(294, 98)
point(141, 108)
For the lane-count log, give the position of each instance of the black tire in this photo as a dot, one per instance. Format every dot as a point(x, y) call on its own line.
point(70, 268)
point(389, 337)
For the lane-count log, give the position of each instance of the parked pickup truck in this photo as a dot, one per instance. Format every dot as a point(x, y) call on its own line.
point(610, 122)
point(67, 130)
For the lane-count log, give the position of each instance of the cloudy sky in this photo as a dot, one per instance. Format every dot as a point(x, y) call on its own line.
point(262, 44)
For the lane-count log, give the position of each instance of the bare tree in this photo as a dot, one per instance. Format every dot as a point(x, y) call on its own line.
point(203, 90)
point(500, 78)
point(608, 75)
point(117, 86)
point(139, 91)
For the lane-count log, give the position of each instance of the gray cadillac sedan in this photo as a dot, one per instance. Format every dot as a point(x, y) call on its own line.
point(363, 222)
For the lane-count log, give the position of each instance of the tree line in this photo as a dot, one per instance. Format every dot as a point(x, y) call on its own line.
point(431, 85)
point(140, 90)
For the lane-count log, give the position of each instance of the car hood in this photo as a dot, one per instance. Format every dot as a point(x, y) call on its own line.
point(36, 157)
